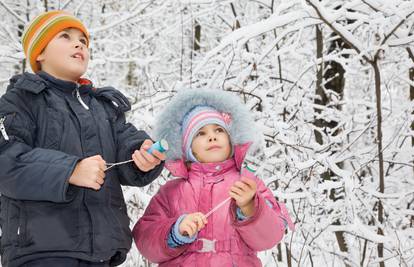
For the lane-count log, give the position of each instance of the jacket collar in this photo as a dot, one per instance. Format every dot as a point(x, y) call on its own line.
point(84, 85)
point(178, 168)
point(212, 169)
point(36, 83)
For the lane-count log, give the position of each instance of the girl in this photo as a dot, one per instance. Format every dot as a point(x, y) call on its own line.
point(209, 132)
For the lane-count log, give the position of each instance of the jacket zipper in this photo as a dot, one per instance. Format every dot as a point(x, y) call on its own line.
point(78, 96)
point(3, 129)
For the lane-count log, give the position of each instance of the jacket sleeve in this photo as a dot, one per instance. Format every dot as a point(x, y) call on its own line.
point(265, 228)
point(27, 172)
point(129, 139)
point(152, 229)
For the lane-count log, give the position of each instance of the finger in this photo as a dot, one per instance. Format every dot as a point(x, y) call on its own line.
point(250, 182)
point(138, 160)
point(203, 217)
point(100, 181)
point(193, 227)
point(159, 155)
point(102, 165)
point(237, 191)
point(149, 157)
point(199, 222)
point(142, 159)
point(101, 162)
point(146, 144)
point(96, 172)
point(234, 196)
point(242, 186)
point(101, 174)
point(95, 186)
point(96, 157)
point(186, 230)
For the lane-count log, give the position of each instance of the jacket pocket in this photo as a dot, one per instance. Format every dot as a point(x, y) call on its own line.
point(119, 215)
point(50, 226)
point(12, 223)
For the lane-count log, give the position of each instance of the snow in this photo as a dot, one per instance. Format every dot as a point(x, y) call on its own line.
point(145, 49)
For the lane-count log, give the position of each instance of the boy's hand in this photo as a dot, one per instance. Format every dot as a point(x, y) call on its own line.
point(192, 223)
point(89, 172)
point(243, 192)
point(146, 161)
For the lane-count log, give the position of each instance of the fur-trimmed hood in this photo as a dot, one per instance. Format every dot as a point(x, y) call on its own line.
point(168, 124)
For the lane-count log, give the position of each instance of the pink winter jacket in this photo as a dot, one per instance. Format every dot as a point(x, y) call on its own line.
point(200, 189)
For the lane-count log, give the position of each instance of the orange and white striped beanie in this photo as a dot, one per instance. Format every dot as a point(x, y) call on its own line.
point(43, 28)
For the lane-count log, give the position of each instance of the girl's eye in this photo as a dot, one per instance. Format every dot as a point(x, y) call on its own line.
point(200, 133)
point(83, 41)
point(219, 130)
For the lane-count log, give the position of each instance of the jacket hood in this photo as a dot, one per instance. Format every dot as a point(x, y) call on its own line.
point(27, 81)
point(168, 125)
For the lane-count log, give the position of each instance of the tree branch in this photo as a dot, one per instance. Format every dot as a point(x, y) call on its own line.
point(12, 12)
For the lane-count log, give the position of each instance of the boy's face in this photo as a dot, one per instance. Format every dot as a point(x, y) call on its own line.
point(66, 56)
point(211, 144)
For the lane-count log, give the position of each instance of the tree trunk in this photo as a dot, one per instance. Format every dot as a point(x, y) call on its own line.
point(411, 76)
point(46, 5)
point(237, 23)
point(335, 76)
point(411, 99)
point(322, 100)
point(197, 36)
point(377, 76)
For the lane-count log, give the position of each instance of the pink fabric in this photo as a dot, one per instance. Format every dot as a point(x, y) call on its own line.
point(201, 189)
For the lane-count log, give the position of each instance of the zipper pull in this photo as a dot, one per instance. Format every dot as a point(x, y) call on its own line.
point(80, 99)
point(3, 129)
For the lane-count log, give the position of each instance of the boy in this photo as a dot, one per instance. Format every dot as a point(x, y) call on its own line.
point(59, 204)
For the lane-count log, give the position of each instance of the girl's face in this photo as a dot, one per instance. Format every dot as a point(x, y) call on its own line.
point(211, 144)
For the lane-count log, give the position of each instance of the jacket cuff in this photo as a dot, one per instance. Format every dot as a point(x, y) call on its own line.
point(69, 190)
point(240, 215)
point(172, 252)
point(132, 174)
point(175, 238)
point(258, 207)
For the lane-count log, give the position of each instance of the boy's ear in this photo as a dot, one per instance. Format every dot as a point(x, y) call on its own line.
point(39, 60)
point(40, 57)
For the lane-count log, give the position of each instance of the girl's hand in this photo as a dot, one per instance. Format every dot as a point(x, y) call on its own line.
point(243, 193)
point(192, 224)
point(146, 161)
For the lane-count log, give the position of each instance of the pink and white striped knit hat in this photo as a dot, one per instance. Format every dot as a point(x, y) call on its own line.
point(196, 119)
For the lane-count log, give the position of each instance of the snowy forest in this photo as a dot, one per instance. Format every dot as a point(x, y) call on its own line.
point(330, 84)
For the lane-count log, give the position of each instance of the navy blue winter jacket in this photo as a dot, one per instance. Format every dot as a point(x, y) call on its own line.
point(45, 131)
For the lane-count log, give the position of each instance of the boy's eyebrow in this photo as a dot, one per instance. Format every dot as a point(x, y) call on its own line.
point(67, 30)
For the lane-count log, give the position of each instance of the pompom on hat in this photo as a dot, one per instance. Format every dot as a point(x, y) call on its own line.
point(41, 30)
